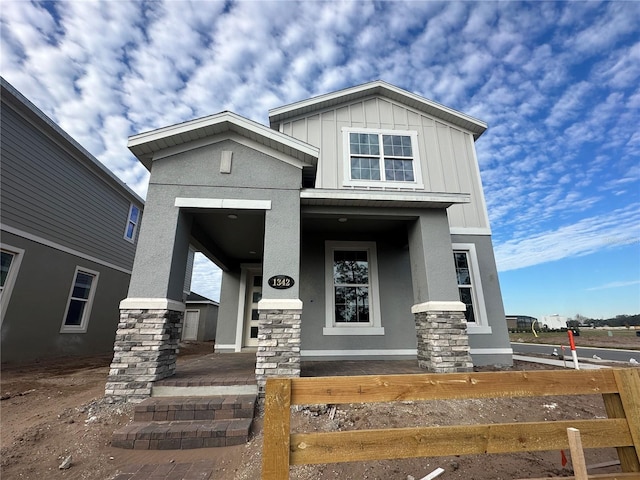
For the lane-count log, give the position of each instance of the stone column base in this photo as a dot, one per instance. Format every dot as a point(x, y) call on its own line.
point(278, 340)
point(145, 350)
point(443, 343)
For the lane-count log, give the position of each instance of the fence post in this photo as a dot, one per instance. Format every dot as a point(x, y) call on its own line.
point(277, 420)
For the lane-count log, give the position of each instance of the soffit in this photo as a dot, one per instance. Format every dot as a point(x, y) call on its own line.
point(391, 199)
point(145, 145)
point(321, 102)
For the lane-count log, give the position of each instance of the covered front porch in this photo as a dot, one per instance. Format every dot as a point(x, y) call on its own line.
point(238, 369)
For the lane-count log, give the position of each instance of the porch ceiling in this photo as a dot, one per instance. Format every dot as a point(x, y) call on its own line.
point(230, 241)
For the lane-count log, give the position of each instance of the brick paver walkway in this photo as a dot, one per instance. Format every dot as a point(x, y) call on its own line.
point(238, 368)
point(168, 471)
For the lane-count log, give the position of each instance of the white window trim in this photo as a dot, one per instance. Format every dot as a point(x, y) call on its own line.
point(135, 224)
point(374, 327)
point(417, 184)
point(18, 254)
point(84, 323)
point(481, 325)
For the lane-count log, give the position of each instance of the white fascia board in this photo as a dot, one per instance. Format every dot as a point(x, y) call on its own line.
point(230, 117)
point(372, 87)
point(236, 137)
point(319, 194)
point(223, 203)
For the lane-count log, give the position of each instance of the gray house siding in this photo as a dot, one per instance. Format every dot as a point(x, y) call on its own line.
point(254, 176)
point(51, 192)
point(493, 302)
point(36, 308)
point(396, 299)
point(64, 210)
point(228, 311)
point(447, 154)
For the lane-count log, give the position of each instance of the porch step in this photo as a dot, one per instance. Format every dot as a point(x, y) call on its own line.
point(167, 423)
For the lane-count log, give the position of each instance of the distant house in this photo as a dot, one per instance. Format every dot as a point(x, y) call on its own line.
point(520, 322)
point(200, 318)
point(354, 226)
point(69, 233)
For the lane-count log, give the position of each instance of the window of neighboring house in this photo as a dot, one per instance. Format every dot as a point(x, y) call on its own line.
point(9, 266)
point(382, 159)
point(353, 303)
point(78, 310)
point(132, 223)
point(470, 287)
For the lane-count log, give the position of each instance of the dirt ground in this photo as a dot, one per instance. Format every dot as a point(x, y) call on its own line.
point(589, 337)
point(54, 409)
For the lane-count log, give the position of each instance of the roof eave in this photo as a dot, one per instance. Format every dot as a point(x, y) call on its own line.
point(145, 145)
point(378, 87)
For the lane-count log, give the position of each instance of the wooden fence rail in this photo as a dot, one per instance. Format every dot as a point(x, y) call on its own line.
point(620, 389)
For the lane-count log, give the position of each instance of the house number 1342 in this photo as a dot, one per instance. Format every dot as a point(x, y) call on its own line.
point(280, 282)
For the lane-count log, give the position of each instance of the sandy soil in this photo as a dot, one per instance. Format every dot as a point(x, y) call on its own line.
point(55, 409)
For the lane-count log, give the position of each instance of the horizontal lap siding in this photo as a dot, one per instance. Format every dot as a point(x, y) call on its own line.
point(49, 193)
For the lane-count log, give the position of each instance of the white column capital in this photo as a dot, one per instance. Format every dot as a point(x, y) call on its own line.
point(441, 306)
point(280, 304)
point(152, 304)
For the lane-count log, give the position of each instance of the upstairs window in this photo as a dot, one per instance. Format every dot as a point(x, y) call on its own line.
point(382, 159)
point(132, 223)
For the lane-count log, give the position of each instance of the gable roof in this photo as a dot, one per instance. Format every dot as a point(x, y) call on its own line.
point(145, 145)
point(378, 87)
point(197, 298)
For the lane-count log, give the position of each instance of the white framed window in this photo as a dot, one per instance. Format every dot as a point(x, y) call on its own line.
point(132, 223)
point(9, 267)
point(78, 311)
point(470, 287)
point(381, 159)
point(352, 294)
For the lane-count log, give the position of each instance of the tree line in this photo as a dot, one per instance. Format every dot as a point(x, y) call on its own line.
point(617, 321)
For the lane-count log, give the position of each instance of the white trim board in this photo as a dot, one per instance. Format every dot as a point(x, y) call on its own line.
point(223, 203)
point(62, 248)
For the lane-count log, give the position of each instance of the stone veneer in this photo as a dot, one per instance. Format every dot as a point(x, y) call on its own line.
point(443, 342)
point(278, 341)
point(145, 350)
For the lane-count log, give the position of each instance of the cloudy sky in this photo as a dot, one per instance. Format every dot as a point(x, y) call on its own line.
point(557, 82)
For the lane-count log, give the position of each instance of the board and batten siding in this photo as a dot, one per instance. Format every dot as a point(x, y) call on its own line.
point(51, 192)
point(447, 153)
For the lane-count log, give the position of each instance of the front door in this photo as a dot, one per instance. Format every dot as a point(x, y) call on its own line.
point(254, 295)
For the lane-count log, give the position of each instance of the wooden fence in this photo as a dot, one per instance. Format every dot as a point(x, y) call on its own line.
point(620, 389)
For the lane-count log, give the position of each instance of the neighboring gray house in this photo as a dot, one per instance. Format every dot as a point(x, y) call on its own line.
point(354, 227)
point(69, 233)
point(200, 318)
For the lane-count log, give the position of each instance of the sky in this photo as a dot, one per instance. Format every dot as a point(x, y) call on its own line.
point(557, 82)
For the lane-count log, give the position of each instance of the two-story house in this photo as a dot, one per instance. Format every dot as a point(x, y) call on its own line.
point(353, 227)
point(69, 231)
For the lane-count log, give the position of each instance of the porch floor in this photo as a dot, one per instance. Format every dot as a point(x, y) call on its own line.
point(217, 369)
